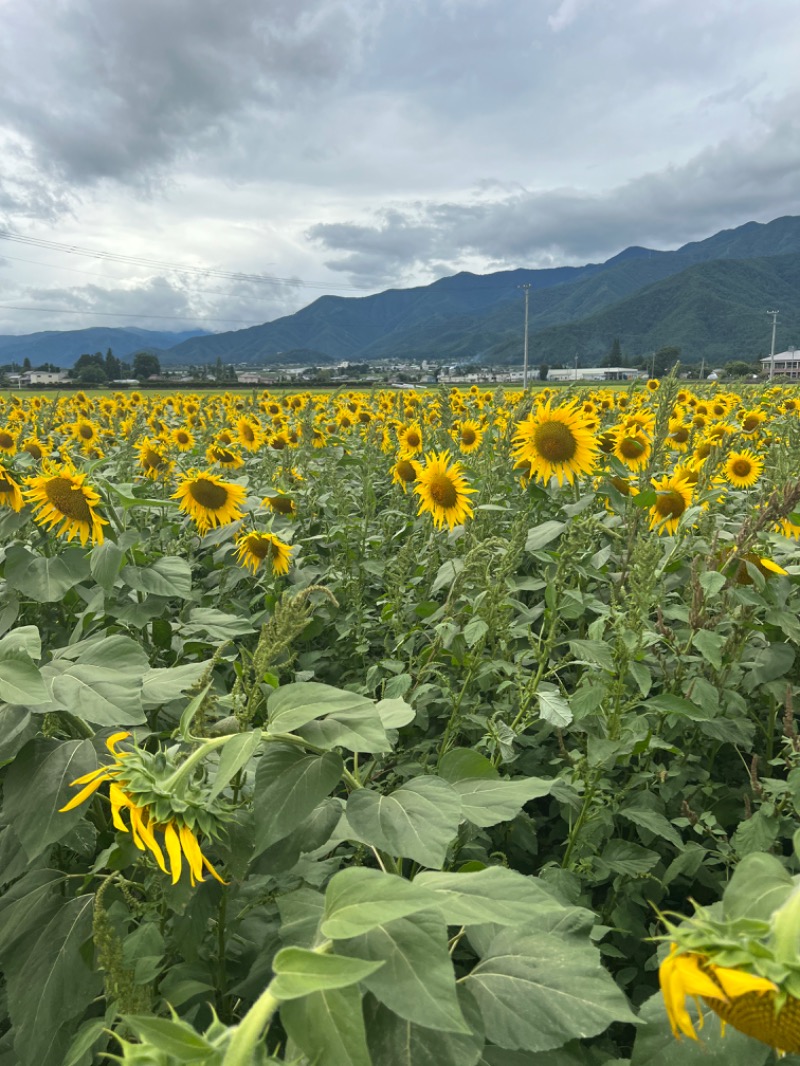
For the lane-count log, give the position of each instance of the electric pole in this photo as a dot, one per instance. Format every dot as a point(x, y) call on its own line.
point(772, 349)
point(526, 288)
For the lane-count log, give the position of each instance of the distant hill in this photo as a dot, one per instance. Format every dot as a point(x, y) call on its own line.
point(572, 310)
point(63, 347)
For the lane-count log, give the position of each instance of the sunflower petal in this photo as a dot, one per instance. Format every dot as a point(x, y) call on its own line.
point(173, 846)
point(213, 872)
point(114, 739)
point(191, 849)
point(84, 793)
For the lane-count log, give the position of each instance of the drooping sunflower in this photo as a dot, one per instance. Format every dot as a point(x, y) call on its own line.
point(209, 500)
point(743, 469)
point(673, 497)
point(152, 460)
point(468, 435)
point(556, 442)
point(134, 778)
point(405, 472)
point(280, 503)
point(10, 492)
point(443, 491)
point(256, 548)
point(61, 497)
point(220, 455)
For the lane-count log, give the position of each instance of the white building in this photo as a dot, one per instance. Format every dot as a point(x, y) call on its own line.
point(594, 373)
point(43, 377)
point(786, 364)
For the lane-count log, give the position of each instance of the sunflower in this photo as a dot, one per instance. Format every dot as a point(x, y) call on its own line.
point(409, 439)
point(153, 461)
point(556, 442)
point(673, 497)
point(8, 441)
point(443, 491)
point(249, 433)
point(468, 435)
point(632, 448)
point(209, 500)
point(60, 497)
point(256, 548)
point(789, 527)
point(85, 432)
point(405, 472)
point(222, 456)
point(280, 503)
point(751, 419)
point(133, 786)
point(183, 439)
point(743, 469)
point(37, 449)
point(10, 492)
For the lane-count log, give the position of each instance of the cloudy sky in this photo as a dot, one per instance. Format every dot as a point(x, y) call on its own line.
point(179, 164)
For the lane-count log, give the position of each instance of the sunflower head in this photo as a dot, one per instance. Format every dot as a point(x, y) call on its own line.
point(443, 491)
point(62, 500)
point(673, 498)
point(253, 549)
point(209, 500)
point(557, 442)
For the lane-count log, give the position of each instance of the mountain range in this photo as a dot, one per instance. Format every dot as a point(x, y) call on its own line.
point(708, 297)
point(63, 347)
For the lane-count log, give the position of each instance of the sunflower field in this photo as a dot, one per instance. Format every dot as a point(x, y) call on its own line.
point(445, 728)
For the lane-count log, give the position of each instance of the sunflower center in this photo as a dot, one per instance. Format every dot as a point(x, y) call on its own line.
point(442, 490)
point(750, 424)
point(68, 499)
point(222, 455)
point(281, 504)
point(681, 435)
point(34, 450)
point(260, 547)
point(153, 461)
point(6, 440)
point(670, 504)
point(248, 434)
point(406, 471)
point(278, 443)
point(554, 442)
point(86, 432)
point(741, 468)
point(5, 486)
point(468, 436)
point(208, 494)
point(631, 448)
point(413, 439)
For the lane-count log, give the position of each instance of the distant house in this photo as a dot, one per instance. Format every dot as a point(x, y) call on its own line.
point(786, 364)
point(594, 373)
point(43, 377)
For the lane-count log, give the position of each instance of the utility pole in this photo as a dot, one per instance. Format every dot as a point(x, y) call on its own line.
point(526, 287)
point(702, 368)
point(653, 365)
point(772, 349)
point(576, 368)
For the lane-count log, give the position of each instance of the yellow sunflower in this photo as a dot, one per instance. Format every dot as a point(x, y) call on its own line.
point(10, 492)
point(443, 491)
point(183, 439)
point(249, 433)
point(556, 442)
point(209, 500)
point(60, 497)
point(405, 472)
point(222, 456)
point(468, 435)
point(152, 460)
point(409, 439)
point(632, 448)
point(280, 503)
point(86, 433)
point(673, 497)
point(8, 441)
point(743, 469)
point(256, 548)
point(37, 449)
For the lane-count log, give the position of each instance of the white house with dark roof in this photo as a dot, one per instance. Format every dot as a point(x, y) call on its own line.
point(786, 364)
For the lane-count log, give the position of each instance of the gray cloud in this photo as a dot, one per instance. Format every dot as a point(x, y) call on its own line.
point(119, 86)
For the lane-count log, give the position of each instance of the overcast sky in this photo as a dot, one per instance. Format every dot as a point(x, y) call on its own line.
point(349, 146)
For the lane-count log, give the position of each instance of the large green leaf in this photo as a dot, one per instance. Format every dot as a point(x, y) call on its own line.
point(486, 802)
point(359, 899)
point(97, 694)
point(328, 1027)
point(236, 754)
point(395, 1041)
point(358, 729)
point(289, 785)
point(37, 785)
point(170, 683)
point(417, 821)
point(496, 894)
point(175, 1038)
point(44, 579)
point(27, 905)
point(51, 985)
point(168, 575)
point(292, 706)
point(16, 729)
point(21, 683)
point(299, 972)
point(536, 991)
point(417, 980)
point(24, 639)
point(759, 885)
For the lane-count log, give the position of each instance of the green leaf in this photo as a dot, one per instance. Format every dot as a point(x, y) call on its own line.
point(474, 630)
point(170, 683)
point(537, 991)
point(44, 579)
point(712, 582)
point(218, 625)
point(328, 1027)
point(105, 563)
point(755, 834)
point(172, 1037)
point(28, 905)
point(52, 984)
point(299, 972)
point(99, 695)
point(236, 753)
point(759, 885)
point(418, 820)
point(542, 535)
point(395, 1041)
point(21, 683)
point(656, 1046)
point(16, 729)
point(460, 764)
point(395, 713)
point(294, 705)
point(357, 729)
point(301, 912)
point(623, 857)
point(416, 979)
point(710, 646)
point(486, 802)
point(496, 894)
point(553, 707)
point(359, 899)
point(653, 822)
point(38, 784)
point(593, 651)
point(168, 575)
point(447, 574)
point(289, 785)
point(24, 640)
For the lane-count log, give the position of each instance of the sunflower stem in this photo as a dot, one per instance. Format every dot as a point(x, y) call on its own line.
point(196, 756)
